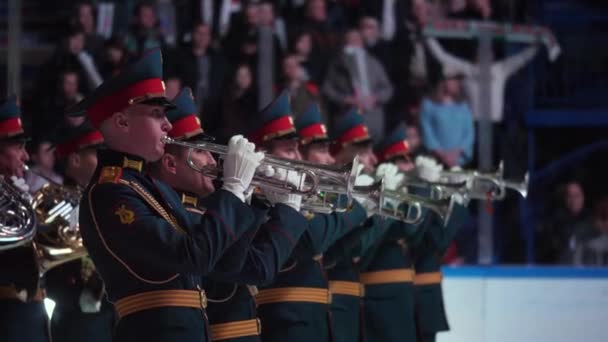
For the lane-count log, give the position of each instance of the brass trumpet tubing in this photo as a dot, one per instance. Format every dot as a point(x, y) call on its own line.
point(314, 174)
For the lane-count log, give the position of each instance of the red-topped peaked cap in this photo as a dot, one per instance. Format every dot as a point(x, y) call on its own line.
point(10, 119)
point(141, 82)
point(310, 126)
point(275, 121)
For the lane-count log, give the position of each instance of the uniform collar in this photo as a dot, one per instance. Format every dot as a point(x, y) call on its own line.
point(123, 160)
point(188, 199)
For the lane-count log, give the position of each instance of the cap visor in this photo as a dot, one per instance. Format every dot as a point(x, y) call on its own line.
point(159, 101)
point(201, 137)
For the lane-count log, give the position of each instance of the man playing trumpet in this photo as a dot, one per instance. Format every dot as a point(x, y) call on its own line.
point(150, 254)
point(256, 257)
point(296, 306)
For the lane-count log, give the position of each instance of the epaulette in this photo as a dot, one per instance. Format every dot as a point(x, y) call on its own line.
point(309, 215)
point(110, 174)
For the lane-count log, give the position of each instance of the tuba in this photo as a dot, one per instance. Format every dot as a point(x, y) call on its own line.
point(17, 217)
point(58, 240)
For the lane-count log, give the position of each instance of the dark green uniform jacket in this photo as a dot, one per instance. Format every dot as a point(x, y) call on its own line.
point(142, 239)
point(253, 260)
point(430, 311)
point(299, 320)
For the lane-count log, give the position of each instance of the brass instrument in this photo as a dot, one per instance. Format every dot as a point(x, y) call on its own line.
point(313, 176)
point(58, 240)
point(17, 217)
point(471, 184)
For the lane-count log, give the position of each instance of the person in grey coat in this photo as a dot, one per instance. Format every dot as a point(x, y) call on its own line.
point(356, 78)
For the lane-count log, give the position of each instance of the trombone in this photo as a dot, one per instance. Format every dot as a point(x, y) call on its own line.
point(314, 177)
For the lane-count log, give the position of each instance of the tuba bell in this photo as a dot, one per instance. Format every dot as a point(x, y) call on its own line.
point(17, 217)
point(58, 240)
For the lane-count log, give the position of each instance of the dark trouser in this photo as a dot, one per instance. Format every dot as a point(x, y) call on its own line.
point(345, 314)
point(72, 325)
point(23, 322)
point(427, 337)
point(294, 322)
point(166, 324)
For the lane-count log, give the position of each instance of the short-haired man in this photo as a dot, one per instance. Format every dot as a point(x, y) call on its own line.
point(76, 287)
point(150, 255)
point(296, 306)
point(20, 295)
point(255, 258)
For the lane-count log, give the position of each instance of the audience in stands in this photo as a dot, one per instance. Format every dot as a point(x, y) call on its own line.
point(42, 171)
point(356, 78)
point(447, 123)
point(590, 240)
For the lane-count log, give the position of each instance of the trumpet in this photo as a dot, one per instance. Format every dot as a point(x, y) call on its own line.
point(471, 184)
point(441, 206)
point(313, 176)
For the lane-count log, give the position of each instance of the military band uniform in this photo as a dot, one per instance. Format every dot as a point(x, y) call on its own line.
point(22, 313)
point(342, 263)
point(150, 254)
point(147, 249)
point(231, 293)
point(430, 310)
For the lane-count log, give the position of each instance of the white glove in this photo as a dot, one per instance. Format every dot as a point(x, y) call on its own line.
point(240, 164)
point(88, 302)
point(20, 184)
point(294, 178)
point(369, 205)
point(294, 201)
point(385, 169)
point(364, 180)
point(460, 199)
point(428, 169)
point(267, 171)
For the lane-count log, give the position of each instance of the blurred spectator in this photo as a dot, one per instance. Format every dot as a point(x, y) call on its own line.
point(355, 78)
point(70, 55)
point(390, 14)
point(53, 107)
point(144, 33)
point(84, 16)
point(269, 18)
point(204, 70)
point(415, 64)
point(313, 64)
point(590, 242)
point(241, 41)
point(447, 123)
point(302, 93)
point(324, 34)
point(43, 166)
point(500, 71)
point(563, 216)
point(219, 15)
point(374, 45)
point(115, 56)
point(240, 105)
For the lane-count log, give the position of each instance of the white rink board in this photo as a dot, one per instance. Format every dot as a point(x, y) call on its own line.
point(526, 304)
